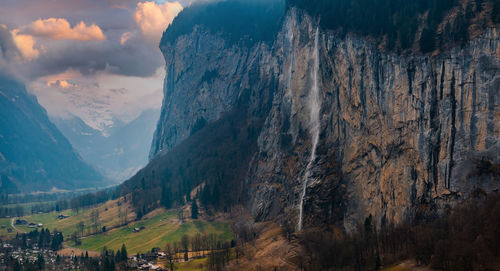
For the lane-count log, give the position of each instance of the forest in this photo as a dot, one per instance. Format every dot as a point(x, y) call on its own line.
point(404, 26)
point(241, 20)
point(466, 238)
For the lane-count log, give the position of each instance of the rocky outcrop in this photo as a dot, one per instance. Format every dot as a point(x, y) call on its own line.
point(399, 136)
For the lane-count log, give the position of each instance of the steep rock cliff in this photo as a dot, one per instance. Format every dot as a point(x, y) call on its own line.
point(351, 131)
point(400, 136)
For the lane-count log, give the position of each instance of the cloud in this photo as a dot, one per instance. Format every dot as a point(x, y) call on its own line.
point(153, 18)
point(60, 29)
point(26, 45)
point(131, 59)
point(74, 71)
point(98, 99)
point(60, 84)
point(8, 48)
point(125, 37)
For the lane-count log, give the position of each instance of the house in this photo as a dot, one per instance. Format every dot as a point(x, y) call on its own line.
point(32, 225)
point(139, 229)
point(62, 216)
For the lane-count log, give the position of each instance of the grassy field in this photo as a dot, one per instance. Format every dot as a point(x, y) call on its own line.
point(159, 229)
point(193, 265)
point(4, 226)
point(108, 216)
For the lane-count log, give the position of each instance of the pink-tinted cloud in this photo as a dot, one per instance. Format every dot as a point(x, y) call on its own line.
point(60, 29)
point(153, 18)
point(26, 45)
point(125, 37)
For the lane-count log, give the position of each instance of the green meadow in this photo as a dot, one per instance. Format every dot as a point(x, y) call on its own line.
point(158, 231)
point(4, 226)
point(160, 227)
point(108, 216)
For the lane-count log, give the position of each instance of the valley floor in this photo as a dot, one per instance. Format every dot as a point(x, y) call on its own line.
point(154, 230)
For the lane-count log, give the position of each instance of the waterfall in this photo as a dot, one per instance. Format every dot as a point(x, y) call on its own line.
point(314, 104)
point(290, 37)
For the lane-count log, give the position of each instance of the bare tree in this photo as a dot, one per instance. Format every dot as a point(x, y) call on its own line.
point(94, 216)
point(185, 246)
point(169, 251)
point(80, 226)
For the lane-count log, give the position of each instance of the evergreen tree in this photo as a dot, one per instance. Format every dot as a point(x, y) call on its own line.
point(24, 243)
point(166, 197)
point(194, 210)
point(124, 253)
point(427, 41)
point(40, 262)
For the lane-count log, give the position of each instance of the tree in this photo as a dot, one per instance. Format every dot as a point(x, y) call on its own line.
point(427, 41)
point(80, 226)
point(94, 216)
point(185, 246)
point(57, 241)
point(180, 215)
point(24, 243)
point(194, 210)
point(76, 239)
point(40, 262)
point(124, 252)
point(166, 197)
point(170, 256)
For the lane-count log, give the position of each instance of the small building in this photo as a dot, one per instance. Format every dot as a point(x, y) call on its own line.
point(32, 225)
point(139, 229)
point(40, 225)
point(62, 216)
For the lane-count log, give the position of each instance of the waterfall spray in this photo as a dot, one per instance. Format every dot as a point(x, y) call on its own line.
point(314, 103)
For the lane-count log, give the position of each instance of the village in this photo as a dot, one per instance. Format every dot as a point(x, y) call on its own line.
point(35, 258)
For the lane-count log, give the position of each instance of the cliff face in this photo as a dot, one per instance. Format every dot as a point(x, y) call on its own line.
point(399, 135)
point(351, 131)
point(204, 79)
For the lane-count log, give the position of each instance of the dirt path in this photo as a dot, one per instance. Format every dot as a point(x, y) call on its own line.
point(14, 227)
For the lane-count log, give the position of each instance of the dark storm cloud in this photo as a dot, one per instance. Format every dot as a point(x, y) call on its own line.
point(8, 49)
point(131, 59)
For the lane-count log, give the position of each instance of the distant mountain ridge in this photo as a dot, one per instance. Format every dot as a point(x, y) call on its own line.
point(119, 154)
point(34, 154)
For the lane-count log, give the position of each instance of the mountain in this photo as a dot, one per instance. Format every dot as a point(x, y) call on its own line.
point(118, 155)
point(327, 122)
point(34, 155)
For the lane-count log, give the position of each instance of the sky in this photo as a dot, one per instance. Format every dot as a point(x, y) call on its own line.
point(94, 59)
